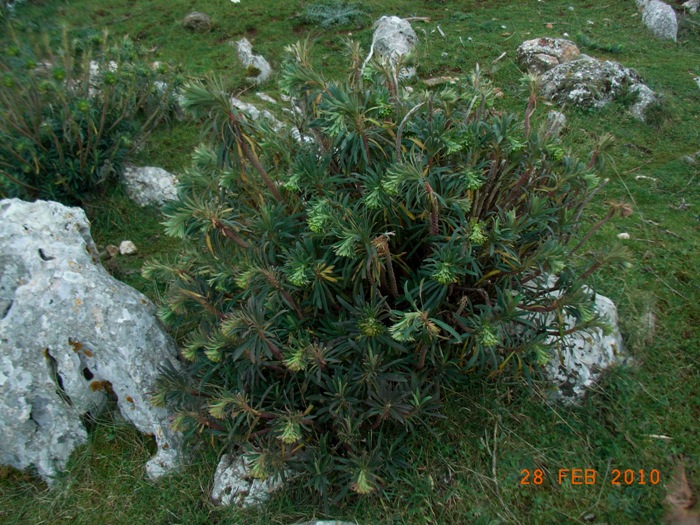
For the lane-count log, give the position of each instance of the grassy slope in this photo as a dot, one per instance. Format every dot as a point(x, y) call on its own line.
point(454, 481)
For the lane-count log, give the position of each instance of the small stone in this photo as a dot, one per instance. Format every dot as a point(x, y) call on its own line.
point(623, 236)
point(233, 484)
point(692, 6)
point(127, 248)
point(691, 159)
point(111, 250)
point(259, 68)
point(197, 22)
point(556, 122)
point(265, 97)
point(150, 185)
point(436, 81)
point(254, 113)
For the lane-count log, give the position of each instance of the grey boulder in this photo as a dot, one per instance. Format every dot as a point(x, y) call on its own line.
point(150, 185)
point(589, 83)
point(70, 335)
point(542, 54)
point(661, 19)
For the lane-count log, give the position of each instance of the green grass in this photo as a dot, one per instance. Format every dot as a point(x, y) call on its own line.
point(470, 471)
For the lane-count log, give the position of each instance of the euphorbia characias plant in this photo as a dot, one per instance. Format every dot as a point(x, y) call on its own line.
point(339, 276)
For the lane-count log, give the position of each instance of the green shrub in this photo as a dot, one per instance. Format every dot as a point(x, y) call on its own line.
point(72, 112)
point(327, 13)
point(336, 283)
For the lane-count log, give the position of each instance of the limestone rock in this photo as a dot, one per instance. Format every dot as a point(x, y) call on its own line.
point(692, 6)
point(256, 114)
point(233, 484)
point(150, 185)
point(661, 19)
point(645, 97)
point(590, 355)
point(556, 122)
point(257, 65)
point(394, 38)
point(69, 334)
point(542, 54)
point(437, 81)
point(265, 97)
point(111, 251)
point(127, 248)
point(198, 22)
point(589, 83)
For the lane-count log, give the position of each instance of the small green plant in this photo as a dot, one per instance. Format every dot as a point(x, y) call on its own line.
point(337, 278)
point(584, 40)
point(327, 13)
point(657, 114)
point(627, 96)
point(71, 114)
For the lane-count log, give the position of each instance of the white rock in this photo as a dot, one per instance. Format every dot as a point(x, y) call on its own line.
point(645, 97)
point(265, 97)
point(234, 485)
point(150, 185)
point(661, 20)
point(127, 248)
point(623, 236)
point(556, 122)
point(692, 6)
point(68, 332)
point(576, 367)
point(97, 69)
point(394, 38)
point(255, 114)
point(249, 60)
